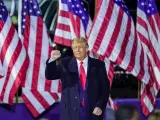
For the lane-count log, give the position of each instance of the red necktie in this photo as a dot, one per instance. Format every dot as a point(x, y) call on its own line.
point(82, 75)
point(82, 78)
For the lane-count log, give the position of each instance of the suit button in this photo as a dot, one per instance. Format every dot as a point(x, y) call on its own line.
point(75, 97)
point(75, 108)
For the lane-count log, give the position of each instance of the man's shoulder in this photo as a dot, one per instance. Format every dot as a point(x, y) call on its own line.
point(67, 59)
point(97, 61)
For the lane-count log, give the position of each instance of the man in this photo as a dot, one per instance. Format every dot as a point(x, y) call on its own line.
point(85, 87)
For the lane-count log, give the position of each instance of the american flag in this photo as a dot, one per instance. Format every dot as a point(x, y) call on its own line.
point(13, 58)
point(113, 35)
point(74, 21)
point(148, 29)
point(38, 93)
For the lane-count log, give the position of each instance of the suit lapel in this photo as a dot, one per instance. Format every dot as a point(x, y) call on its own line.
point(72, 66)
point(91, 69)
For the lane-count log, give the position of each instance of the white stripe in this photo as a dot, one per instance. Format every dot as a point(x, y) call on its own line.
point(89, 27)
point(13, 7)
point(4, 32)
point(153, 40)
point(54, 85)
point(148, 103)
point(97, 25)
point(33, 100)
point(7, 59)
point(120, 38)
point(63, 6)
point(156, 26)
point(31, 51)
point(14, 73)
point(49, 99)
point(43, 58)
point(62, 33)
point(152, 37)
point(129, 48)
point(141, 14)
point(63, 20)
point(82, 30)
point(142, 30)
point(109, 32)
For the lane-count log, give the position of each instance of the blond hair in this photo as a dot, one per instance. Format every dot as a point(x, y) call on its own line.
point(81, 39)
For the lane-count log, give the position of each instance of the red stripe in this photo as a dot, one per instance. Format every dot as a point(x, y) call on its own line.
point(157, 18)
point(10, 67)
point(54, 95)
point(64, 14)
point(143, 39)
point(153, 27)
point(62, 41)
point(151, 49)
point(115, 34)
point(145, 109)
point(142, 23)
point(30, 106)
point(75, 23)
point(63, 27)
point(133, 54)
point(111, 73)
point(20, 77)
point(40, 99)
point(48, 85)
point(59, 86)
point(7, 42)
point(38, 50)
point(141, 72)
point(1, 26)
point(48, 82)
point(27, 32)
point(98, 6)
point(154, 55)
point(124, 44)
point(104, 26)
point(77, 29)
point(26, 39)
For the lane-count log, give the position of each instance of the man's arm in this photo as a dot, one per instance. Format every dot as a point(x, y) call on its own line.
point(53, 70)
point(105, 88)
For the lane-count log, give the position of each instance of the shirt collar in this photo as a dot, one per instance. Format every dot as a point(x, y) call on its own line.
point(85, 61)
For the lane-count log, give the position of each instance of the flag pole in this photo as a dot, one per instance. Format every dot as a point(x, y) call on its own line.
point(95, 7)
point(139, 87)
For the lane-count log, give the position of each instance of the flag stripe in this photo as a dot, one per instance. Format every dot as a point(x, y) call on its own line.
point(114, 38)
point(38, 48)
point(7, 42)
point(40, 98)
point(103, 28)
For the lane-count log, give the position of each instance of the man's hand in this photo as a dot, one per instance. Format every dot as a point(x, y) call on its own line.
point(55, 54)
point(97, 111)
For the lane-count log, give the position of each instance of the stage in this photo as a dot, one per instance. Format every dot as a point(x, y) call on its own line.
point(20, 112)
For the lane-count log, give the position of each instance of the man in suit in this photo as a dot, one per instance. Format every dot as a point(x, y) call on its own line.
point(85, 87)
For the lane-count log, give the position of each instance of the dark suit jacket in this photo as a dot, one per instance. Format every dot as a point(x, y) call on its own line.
point(98, 86)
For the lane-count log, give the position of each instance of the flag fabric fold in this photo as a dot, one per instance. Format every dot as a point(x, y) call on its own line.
point(148, 30)
point(38, 93)
point(13, 58)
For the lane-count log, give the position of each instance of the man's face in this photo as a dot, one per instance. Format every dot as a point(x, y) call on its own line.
point(79, 49)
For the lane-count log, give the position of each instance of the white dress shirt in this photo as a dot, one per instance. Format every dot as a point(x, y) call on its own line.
point(85, 65)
